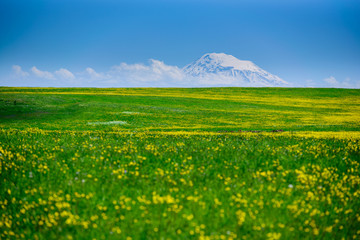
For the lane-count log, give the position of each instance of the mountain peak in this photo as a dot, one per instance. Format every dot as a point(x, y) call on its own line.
point(212, 65)
point(226, 60)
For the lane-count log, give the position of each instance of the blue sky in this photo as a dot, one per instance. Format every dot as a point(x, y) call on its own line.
point(307, 43)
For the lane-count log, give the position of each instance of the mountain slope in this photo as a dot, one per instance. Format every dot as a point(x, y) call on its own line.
point(220, 66)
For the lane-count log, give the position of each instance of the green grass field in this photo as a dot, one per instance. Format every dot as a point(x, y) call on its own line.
point(212, 163)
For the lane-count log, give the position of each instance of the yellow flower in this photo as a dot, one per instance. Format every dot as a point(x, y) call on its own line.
point(273, 236)
point(241, 217)
point(328, 229)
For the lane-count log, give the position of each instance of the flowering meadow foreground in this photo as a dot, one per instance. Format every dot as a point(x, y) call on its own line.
point(222, 163)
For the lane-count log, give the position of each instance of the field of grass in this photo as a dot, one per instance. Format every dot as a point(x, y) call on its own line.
point(215, 163)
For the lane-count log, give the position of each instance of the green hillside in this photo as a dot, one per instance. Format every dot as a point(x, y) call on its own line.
point(208, 109)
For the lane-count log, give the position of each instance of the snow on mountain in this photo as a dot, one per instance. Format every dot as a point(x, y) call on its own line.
point(223, 69)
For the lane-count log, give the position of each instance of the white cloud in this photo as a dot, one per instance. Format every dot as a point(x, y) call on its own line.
point(19, 72)
point(64, 73)
point(93, 74)
point(161, 69)
point(155, 74)
point(131, 67)
point(347, 83)
point(331, 80)
point(42, 74)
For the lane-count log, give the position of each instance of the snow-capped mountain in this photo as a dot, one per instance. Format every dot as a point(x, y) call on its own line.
point(232, 70)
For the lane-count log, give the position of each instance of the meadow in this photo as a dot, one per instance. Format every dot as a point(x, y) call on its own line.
point(211, 163)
